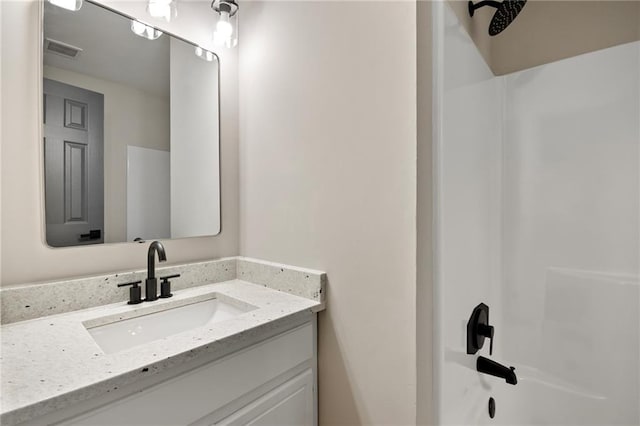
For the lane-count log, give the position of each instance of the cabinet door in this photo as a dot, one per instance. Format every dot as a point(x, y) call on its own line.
point(291, 403)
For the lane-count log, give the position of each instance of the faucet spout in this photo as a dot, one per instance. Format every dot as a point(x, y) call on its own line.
point(155, 247)
point(487, 366)
point(151, 283)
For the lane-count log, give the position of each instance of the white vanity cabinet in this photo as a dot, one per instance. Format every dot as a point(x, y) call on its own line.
point(272, 382)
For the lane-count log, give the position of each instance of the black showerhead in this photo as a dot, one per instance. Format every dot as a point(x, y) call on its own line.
point(506, 12)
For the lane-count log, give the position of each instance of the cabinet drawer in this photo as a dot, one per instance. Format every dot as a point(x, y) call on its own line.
point(193, 395)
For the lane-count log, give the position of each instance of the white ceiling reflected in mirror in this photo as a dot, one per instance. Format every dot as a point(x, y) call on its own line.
point(130, 128)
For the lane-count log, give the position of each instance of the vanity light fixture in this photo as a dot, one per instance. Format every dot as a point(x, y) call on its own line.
point(163, 9)
point(73, 5)
point(144, 30)
point(204, 54)
point(226, 32)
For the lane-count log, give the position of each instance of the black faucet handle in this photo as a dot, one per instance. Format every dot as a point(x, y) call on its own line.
point(165, 285)
point(135, 293)
point(168, 277)
point(134, 283)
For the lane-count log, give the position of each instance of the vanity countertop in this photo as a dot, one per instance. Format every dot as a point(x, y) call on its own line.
point(52, 362)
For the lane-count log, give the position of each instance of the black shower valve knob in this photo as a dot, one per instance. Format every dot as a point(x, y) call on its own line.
point(478, 329)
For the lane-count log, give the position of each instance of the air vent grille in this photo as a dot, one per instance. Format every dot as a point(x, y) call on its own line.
point(63, 49)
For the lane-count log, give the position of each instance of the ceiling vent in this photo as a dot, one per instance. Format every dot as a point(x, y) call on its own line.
point(62, 49)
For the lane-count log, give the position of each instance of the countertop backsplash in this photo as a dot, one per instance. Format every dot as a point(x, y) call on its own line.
point(31, 301)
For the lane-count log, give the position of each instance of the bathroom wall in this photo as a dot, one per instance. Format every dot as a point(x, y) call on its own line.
point(476, 26)
point(1, 97)
point(551, 30)
point(572, 232)
point(328, 181)
point(539, 198)
point(131, 117)
point(425, 329)
point(468, 201)
point(25, 257)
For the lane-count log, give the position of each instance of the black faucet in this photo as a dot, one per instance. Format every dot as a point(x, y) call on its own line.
point(487, 366)
point(151, 283)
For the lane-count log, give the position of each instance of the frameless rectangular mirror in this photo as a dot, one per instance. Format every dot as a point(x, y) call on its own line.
point(131, 131)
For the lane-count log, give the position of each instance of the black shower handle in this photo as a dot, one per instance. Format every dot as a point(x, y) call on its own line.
point(487, 331)
point(478, 329)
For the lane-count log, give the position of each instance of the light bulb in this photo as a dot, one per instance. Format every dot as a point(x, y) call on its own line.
point(226, 31)
point(138, 27)
point(73, 5)
point(204, 54)
point(162, 9)
point(224, 28)
point(144, 30)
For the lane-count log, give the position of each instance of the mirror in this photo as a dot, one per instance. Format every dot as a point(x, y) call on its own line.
point(130, 129)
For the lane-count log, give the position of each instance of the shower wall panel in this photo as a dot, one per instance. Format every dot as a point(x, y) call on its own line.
point(538, 216)
point(469, 190)
point(571, 231)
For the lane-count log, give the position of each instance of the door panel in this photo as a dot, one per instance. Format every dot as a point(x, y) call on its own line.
point(289, 404)
point(74, 165)
point(75, 182)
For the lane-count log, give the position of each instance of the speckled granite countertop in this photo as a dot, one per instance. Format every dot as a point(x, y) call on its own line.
point(52, 362)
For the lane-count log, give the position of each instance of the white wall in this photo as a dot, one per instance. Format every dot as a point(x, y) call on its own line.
point(328, 181)
point(572, 231)
point(148, 194)
point(25, 257)
point(1, 133)
point(131, 117)
point(468, 167)
point(539, 205)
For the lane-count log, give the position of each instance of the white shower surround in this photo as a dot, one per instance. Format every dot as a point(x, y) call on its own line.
point(538, 195)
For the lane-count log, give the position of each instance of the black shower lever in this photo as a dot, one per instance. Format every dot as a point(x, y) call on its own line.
point(478, 329)
point(487, 331)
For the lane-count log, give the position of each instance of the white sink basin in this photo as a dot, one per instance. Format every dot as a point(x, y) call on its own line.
point(127, 333)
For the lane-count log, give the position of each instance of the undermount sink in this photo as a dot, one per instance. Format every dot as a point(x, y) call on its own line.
point(123, 334)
